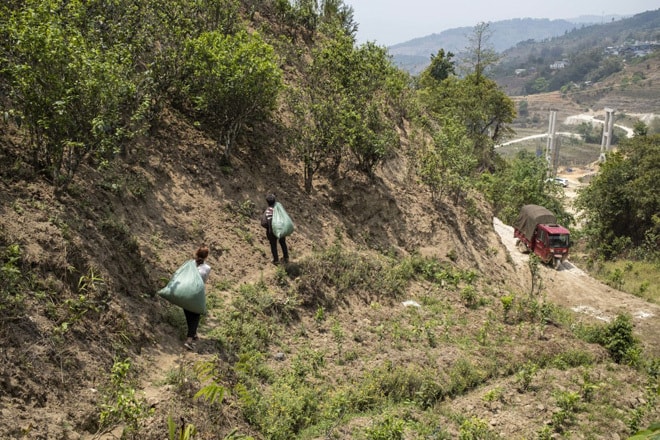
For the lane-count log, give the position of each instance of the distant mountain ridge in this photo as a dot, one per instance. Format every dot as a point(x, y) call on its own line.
point(414, 55)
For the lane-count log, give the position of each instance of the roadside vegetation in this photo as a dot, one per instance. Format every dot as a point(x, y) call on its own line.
point(440, 348)
point(622, 228)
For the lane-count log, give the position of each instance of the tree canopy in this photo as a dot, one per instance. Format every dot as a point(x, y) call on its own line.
point(229, 80)
point(519, 182)
point(343, 107)
point(621, 210)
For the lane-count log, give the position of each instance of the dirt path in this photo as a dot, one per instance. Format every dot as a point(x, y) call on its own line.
point(573, 288)
point(167, 356)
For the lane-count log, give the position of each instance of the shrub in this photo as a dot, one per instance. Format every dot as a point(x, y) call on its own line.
point(335, 271)
point(475, 429)
point(525, 375)
point(120, 403)
point(389, 428)
point(568, 403)
point(289, 406)
point(617, 337)
point(11, 278)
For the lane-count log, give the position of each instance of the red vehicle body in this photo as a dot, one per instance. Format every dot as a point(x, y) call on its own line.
point(537, 231)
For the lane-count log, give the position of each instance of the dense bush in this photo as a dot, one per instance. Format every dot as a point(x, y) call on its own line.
point(76, 97)
point(229, 81)
point(521, 182)
point(620, 209)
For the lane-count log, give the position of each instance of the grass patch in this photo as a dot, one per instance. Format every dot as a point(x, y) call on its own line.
point(639, 278)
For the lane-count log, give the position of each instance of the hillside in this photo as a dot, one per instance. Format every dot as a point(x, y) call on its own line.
point(585, 60)
point(521, 41)
point(169, 198)
point(134, 225)
point(414, 55)
point(630, 98)
point(400, 315)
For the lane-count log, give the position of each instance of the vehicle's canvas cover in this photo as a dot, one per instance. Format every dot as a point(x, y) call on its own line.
point(532, 215)
point(186, 289)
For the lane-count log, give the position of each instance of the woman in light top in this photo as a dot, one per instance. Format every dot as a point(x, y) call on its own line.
point(192, 318)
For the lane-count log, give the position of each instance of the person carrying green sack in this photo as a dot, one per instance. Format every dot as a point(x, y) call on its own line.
point(187, 289)
point(278, 226)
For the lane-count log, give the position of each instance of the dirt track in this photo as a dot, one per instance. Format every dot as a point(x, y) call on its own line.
point(573, 288)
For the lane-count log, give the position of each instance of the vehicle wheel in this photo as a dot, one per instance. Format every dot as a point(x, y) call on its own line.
point(557, 264)
point(522, 247)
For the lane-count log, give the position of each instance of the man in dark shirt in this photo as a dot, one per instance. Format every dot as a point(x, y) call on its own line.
point(266, 222)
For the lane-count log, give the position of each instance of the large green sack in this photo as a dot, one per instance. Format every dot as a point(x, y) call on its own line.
point(281, 224)
point(186, 288)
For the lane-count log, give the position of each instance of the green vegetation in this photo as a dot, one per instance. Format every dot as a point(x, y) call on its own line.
point(83, 86)
point(620, 209)
point(342, 107)
point(120, 402)
point(640, 278)
point(228, 81)
point(519, 182)
point(72, 89)
point(302, 394)
point(617, 337)
point(12, 301)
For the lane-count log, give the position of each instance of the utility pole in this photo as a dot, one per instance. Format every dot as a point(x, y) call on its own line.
point(607, 134)
point(550, 147)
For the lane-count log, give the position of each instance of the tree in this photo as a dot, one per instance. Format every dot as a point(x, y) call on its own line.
point(475, 99)
point(481, 106)
point(319, 106)
point(370, 133)
point(538, 85)
point(76, 97)
point(640, 128)
point(229, 81)
point(342, 14)
point(621, 201)
point(443, 166)
point(316, 131)
point(519, 182)
point(441, 68)
point(481, 55)
point(342, 109)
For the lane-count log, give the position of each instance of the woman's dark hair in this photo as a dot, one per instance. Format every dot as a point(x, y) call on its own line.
point(270, 199)
point(201, 254)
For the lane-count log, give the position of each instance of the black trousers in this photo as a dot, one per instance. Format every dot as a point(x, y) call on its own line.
point(192, 319)
point(273, 247)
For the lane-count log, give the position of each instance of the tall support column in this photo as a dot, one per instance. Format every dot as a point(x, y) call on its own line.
point(555, 155)
point(607, 134)
point(550, 155)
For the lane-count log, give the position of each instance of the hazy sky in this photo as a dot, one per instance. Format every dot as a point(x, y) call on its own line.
point(389, 22)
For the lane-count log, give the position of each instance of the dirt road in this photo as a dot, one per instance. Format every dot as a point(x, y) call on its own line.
point(573, 288)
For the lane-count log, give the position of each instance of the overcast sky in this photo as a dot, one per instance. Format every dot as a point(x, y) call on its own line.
point(388, 22)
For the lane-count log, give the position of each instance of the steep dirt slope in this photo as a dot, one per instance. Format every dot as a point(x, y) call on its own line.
point(124, 230)
point(128, 228)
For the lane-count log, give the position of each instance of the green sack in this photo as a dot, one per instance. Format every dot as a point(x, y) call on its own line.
point(281, 224)
point(186, 289)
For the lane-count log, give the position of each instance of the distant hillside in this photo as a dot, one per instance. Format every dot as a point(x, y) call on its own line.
point(579, 58)
point(414, 55)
